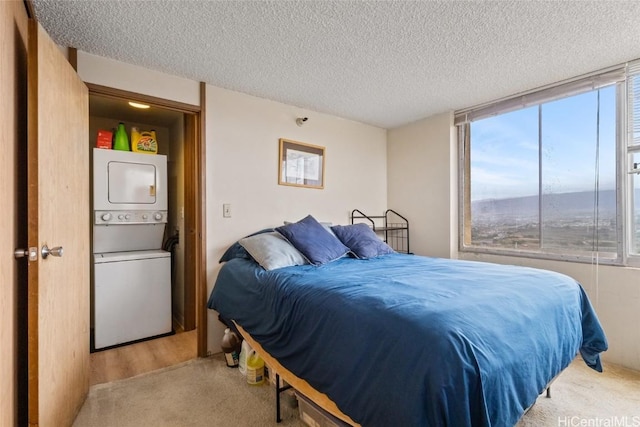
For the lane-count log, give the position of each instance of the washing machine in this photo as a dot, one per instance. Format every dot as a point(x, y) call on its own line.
point(133, 296)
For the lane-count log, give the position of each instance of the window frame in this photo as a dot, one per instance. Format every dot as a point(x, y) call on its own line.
point(626, 164)
point(618, 76)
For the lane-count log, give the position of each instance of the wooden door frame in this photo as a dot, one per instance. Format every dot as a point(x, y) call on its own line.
point(195, 202)
point(201, 220)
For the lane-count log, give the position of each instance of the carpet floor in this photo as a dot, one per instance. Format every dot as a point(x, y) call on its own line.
point(205, 392)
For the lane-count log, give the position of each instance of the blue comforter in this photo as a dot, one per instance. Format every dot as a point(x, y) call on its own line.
point(413, 341)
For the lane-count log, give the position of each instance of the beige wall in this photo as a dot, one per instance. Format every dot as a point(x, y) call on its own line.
point(242, 169)
point(422, 183)
point(115, 74)
point(423, 155)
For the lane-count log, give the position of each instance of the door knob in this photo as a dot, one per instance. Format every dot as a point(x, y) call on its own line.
point(57, 251)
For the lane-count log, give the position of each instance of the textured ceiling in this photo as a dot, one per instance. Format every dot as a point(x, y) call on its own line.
point(382, 63)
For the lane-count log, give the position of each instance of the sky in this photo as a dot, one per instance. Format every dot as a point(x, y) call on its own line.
point(505, 148)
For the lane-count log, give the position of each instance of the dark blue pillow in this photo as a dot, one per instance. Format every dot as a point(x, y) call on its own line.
point(362, 240)
point(313, 240)
point(237, 251)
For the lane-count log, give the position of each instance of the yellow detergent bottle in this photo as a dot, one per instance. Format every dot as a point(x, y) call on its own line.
point(144, 141)
point(255, 368)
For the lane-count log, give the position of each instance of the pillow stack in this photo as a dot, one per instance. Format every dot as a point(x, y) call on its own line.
point(307, 242)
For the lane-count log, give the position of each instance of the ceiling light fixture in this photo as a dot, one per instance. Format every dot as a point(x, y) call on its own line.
point(138, 105)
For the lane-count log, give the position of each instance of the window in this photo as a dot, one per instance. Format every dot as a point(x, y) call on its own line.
point(633, 157)
point(543, 174)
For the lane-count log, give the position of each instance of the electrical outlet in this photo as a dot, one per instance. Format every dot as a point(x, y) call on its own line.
point(226, 210)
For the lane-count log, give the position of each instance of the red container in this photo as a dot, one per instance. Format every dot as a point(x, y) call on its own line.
point(104, 139)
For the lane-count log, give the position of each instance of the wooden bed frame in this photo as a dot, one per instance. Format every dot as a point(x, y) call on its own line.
point(300, 385)
point(320, 399)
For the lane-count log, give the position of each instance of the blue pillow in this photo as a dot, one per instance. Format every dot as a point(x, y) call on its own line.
point(362, 240)
point(272, 251)
point(313, 240)
point(237, 251)
point(326, 225)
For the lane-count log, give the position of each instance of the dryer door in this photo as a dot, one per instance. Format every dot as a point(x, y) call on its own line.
point(126, 181)
point(133, 183)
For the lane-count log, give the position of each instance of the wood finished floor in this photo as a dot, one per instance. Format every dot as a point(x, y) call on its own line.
point(136, 359)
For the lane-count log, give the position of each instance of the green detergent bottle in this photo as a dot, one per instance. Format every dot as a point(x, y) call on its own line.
point(121, 139)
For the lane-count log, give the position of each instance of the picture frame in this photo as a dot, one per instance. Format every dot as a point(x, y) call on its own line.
point(301, 164)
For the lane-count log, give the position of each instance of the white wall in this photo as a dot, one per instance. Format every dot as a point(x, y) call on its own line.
point(422, 183)
point(419, 179)
point(119, 75)
point(242, 169)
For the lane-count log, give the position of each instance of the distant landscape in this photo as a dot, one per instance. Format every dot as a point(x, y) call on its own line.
point(568, 222)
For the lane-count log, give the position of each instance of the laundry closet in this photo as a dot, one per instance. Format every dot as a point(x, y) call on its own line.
point(137, 208)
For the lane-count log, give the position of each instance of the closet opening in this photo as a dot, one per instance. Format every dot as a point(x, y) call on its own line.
point(177, 130)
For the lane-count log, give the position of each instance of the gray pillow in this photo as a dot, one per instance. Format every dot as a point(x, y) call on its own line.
point(272, 251)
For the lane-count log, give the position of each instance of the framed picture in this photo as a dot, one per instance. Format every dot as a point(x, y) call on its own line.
point(301, 164)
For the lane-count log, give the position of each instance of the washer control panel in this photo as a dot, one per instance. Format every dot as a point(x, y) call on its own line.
point(129, 217)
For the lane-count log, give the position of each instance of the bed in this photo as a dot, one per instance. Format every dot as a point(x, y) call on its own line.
point(397, 339)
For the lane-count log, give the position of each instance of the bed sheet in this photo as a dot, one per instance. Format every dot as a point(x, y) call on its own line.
point(416, 341)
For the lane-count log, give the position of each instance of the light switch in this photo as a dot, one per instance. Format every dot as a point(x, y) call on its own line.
point(226, 210)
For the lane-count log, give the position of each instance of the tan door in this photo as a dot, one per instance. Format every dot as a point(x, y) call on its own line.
point(58, 204)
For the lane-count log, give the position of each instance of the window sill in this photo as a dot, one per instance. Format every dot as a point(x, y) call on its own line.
point(582, 259)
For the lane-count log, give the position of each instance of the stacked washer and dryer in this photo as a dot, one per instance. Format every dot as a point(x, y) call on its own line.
point(132, 274)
